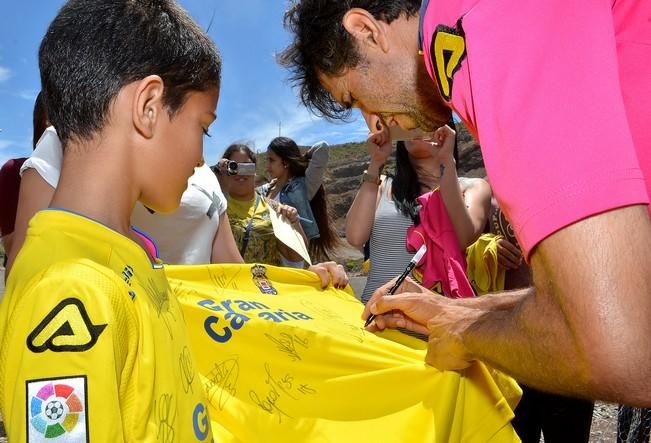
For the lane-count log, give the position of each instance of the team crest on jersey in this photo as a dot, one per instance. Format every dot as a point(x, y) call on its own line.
point(447, 50)
point(57, 410)
point(66, 328)
point(259, 274)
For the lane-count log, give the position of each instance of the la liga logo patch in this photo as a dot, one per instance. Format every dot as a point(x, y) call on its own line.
point(56, 410)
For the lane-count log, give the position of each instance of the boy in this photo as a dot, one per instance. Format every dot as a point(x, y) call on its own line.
point(93, 343)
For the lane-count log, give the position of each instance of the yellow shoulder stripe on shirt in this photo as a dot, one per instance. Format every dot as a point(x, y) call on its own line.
point(448, 50)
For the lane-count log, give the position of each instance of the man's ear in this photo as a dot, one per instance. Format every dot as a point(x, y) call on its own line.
point(148, 106)
point(367, 29)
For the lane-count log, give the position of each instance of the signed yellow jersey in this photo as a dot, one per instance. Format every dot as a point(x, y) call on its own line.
point(284, 361)
point(93, 343)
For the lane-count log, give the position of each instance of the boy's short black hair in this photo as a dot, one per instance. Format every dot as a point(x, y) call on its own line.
point(93, 48)
point(322, 45)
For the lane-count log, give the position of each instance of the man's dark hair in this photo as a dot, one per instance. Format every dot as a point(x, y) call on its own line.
point(323, 46)
point(93, 48)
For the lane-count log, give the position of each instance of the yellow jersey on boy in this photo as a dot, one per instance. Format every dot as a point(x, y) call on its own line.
point(93, 345)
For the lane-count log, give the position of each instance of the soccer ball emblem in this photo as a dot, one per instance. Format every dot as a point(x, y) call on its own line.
point(54, 410)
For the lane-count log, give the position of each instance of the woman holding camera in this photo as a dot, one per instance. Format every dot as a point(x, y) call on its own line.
point(297, 181)
point(249, 213)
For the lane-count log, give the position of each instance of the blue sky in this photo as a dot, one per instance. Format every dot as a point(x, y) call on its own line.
point(255, 95)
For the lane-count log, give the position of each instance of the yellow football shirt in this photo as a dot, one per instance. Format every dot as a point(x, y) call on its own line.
point(93, 342)
point(284, 361)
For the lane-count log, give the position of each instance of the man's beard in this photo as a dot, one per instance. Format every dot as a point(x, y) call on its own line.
point(429, 111)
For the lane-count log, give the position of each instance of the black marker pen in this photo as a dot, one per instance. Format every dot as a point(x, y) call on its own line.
point(412, 264)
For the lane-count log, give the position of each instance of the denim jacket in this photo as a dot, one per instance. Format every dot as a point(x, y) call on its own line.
point(294, 193)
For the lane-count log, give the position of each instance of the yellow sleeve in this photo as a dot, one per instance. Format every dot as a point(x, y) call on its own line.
point(70, 336)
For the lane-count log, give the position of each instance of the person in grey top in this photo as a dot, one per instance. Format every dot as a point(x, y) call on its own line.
point(383, 209)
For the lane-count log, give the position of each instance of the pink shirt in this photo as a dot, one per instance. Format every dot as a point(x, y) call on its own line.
point(443, 268)
point(540, 86)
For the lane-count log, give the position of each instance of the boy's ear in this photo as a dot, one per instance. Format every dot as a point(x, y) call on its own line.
point(148, 106)
point(367, 29)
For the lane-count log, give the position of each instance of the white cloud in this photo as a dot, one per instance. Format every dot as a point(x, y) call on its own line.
point(5, 144)
point(5, 74)
point(27, 94)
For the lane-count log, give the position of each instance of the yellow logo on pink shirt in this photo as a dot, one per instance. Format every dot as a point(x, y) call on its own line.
point(448, 50)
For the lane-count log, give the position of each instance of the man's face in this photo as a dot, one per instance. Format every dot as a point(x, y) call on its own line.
point(400, 92)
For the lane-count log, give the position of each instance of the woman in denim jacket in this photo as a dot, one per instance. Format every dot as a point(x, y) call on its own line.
point(297, 181)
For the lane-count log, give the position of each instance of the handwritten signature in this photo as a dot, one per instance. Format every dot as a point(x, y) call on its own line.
point(166, 415)
point(323, 312)
point(160, 298)
point(268, 402)
point(221, 282)
point(356, 332)
point(286, 343)
point(222, 381)
point(306, 389)
point(279, 386)
point(187, 369)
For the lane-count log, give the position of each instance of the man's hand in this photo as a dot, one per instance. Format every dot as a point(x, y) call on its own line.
point(417, 309)
point(330, 271)
point(411, 307)
point(446, 350)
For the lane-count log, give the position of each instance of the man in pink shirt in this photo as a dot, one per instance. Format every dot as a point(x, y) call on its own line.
point(558, 94)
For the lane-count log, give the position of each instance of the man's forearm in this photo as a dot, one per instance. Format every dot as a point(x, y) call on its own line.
point(497, 301)
point(525, 338)
point(586, 329)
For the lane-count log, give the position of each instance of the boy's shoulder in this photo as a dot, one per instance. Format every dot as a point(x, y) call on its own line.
point(77, 285)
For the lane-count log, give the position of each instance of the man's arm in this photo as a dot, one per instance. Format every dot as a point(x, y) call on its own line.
point(586, 329)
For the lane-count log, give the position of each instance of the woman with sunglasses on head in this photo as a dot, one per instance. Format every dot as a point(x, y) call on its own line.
point(385, 207)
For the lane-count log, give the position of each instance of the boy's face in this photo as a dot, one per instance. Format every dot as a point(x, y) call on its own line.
point(179, 150)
